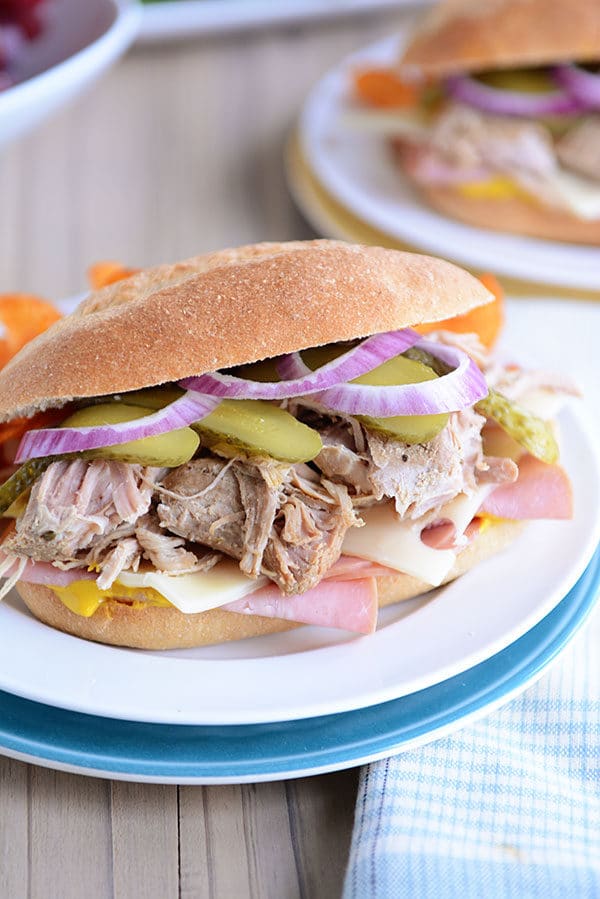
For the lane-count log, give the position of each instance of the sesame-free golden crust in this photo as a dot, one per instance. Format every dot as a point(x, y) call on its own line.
point(472, 35)
point(155, 627)
point(513, 215)
point(226, 308)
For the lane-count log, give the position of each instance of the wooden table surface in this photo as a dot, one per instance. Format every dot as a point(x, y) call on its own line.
point(177, 151)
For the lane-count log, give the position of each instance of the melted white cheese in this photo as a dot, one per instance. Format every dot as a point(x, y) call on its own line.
point(192, 593)
point(578, 194)
point(397, 543)
point(386, 123)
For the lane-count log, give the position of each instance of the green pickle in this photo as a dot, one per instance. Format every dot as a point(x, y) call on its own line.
point(532, 433)
point(396, 371)
point(255, 427)
point(165, 450)
point(530, 81)
point(22, 479)
point(259, 428)
point(154, 398)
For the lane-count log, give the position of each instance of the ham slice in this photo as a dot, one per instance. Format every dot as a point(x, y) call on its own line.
point(347, 604)
point(540, 491)
point(46, 573)
point(349, 568)
point(442, 535)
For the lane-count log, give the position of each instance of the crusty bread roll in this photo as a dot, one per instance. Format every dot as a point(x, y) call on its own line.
point(156, 627)
point(471, 35)
point(513, 215)
point(227, 308)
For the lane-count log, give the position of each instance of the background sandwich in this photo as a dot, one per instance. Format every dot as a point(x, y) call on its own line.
point(497, 114)
point(190, 493)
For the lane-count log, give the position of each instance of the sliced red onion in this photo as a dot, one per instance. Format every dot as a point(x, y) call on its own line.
point(581, 84)
point(358, 361)
point(459, 389)
point(513, 103)
point(53, 441)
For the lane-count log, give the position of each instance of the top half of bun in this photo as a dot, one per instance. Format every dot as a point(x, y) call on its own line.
point(227, 308)
point(471, 35)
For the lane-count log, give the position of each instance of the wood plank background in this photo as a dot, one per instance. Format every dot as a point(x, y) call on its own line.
point(177, 151)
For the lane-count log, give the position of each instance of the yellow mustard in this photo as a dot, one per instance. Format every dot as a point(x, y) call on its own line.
point(498, 187)
point(84, 598)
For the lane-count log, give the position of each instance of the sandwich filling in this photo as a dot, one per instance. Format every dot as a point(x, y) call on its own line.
point(293, 508)
point(494, 135)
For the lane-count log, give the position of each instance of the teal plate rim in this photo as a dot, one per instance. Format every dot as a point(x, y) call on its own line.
point(105, 747)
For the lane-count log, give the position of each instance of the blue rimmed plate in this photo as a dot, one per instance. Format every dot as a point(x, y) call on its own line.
point(126, 750)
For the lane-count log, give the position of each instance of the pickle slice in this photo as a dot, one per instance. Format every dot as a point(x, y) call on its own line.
point(17, 508)
point(532, 433)
point(22, 479)
point(259, 428)
point(265, 370)
point(396, 371)
point(530, 81)
point(255, 427)
point(151, 397)
point(167, 450)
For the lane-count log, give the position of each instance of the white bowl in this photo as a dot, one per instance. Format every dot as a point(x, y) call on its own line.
point(81, 39)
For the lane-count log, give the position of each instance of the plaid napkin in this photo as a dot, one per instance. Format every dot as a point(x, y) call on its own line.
point(506, 809)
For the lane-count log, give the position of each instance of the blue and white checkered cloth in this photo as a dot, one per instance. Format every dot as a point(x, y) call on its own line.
point(506, 809)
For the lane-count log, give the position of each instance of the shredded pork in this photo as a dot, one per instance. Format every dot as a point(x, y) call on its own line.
point(75, 505)
point(467, 145)
point(168, 553)
point(268, 516)
point(418, 477)
point(579, 149)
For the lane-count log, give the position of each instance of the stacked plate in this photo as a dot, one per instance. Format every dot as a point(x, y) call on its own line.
point(314, 700)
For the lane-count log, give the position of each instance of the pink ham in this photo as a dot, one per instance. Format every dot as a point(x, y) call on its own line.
point(349, 605)
point(45, 573)
point(442, 534)
point(540, 491)
point(349, 568)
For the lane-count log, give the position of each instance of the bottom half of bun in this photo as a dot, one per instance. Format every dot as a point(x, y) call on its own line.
point(513, 215)
point(155, 627)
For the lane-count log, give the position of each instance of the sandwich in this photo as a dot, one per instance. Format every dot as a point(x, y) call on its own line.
point(494, 114)
point(258, 438)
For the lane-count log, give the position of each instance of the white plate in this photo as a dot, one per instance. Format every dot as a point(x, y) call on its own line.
point(125, 750)
point(359, 171)
point(176, 19)
point(314, 671)
point(82, 38)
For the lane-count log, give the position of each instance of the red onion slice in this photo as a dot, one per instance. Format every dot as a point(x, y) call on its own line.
point(358, 361)
point(581, 84)
point(53, 441)
point(459, 389)
point(512, 103)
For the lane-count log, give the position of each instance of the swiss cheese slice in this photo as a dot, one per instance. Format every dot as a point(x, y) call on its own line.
point(192, 593)
point(397, 543)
